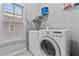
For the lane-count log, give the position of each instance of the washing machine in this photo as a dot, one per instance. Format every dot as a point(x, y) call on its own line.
point(53, 42)
point(33, 41)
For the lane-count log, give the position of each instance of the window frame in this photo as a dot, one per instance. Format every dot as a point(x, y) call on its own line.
point(14, 14)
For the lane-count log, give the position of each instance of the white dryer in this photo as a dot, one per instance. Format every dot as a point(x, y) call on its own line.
point(33, 41)
point(53, 43)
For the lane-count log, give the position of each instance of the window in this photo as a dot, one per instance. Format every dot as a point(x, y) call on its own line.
point(12, 12)
point(11, 9)
point(8, 7)
point(0, 6)
point(11, 27)
point(18, 10)
point(13, 22)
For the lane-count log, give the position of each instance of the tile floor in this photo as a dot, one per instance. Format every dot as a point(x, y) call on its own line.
point(24, 53)
point(21, 52)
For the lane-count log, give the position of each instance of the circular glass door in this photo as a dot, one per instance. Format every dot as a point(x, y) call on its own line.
point(49, 47)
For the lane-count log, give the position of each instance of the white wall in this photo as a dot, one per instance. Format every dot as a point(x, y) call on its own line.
point(65, 19)
point(31, 11)
point(59, 19)
point(0, 30)
point(1, 18)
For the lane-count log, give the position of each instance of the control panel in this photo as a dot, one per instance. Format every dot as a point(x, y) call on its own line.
point(57, 34)
point(54, 34)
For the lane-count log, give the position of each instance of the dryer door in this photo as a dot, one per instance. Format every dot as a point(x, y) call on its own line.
point(49, 47)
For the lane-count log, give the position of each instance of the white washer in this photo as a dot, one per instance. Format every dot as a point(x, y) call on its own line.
point(49, 42)
point(33, 41)
point(54, 43)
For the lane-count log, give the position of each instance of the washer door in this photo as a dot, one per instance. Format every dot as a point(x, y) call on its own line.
point(49, 47)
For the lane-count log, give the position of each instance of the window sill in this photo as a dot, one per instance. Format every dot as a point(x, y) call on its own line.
point(12, 21)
